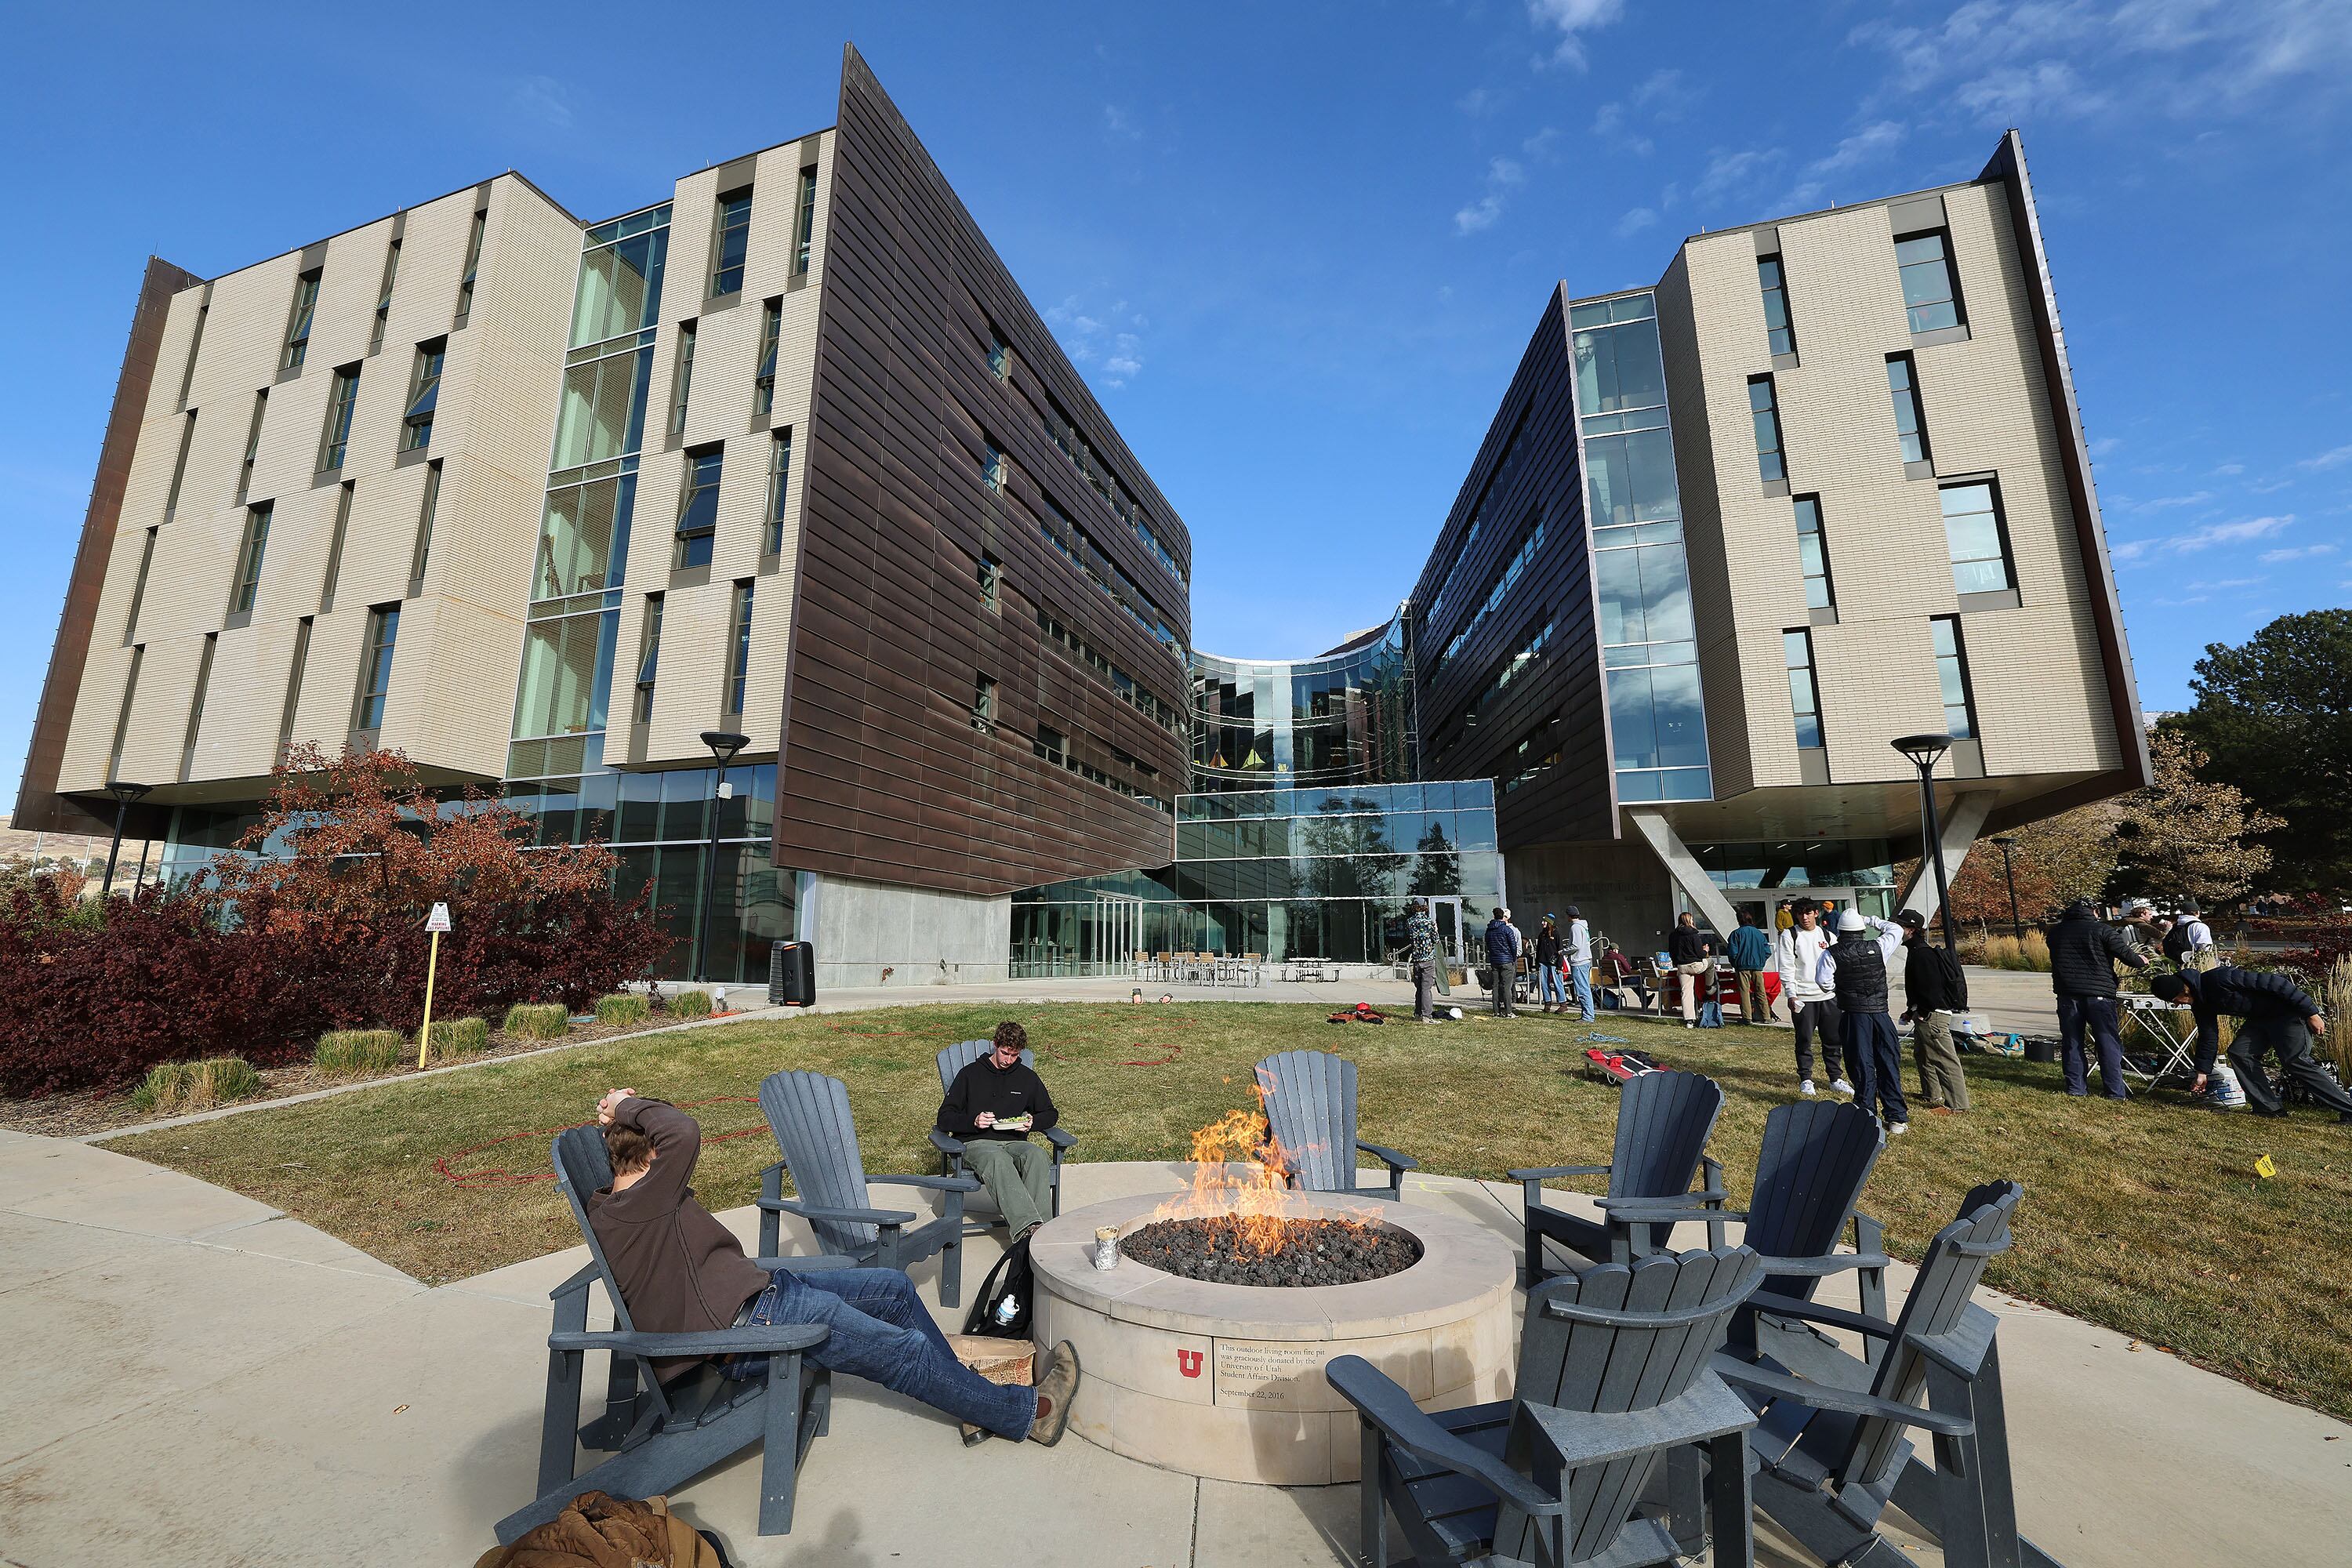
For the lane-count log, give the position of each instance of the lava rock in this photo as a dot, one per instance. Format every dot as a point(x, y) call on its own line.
point(1313, 1252)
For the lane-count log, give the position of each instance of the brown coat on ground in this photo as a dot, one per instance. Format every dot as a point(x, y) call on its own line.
point(599, 1531)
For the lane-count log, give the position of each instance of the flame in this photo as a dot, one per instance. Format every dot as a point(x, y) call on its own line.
point(1241, 1176)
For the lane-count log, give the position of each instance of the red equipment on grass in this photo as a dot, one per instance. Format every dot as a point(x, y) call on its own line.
point(1607, 1066)
point(1362, 1013)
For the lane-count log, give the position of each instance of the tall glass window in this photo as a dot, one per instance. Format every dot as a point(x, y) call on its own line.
point(733, 240)
point(252, 443)
point(384, 296)
point(473, 261)
point(304, 311)
point(1345, 717)
point(739, 644)
point(1804, 699)
point(293, 688)
point(248, 559)
point(1930, 297)
point(1766, 410)
point(1952, 677)
point(335, 438)
point(763, 381)
point(375, 668)
point(196, 705)
point(180, 463)
point(681, 381)
point(1980, 543)
point(779, 475)
point(804, 224)
point(139, 589)
point(1910, 423)
point(421, 555)
point(1779, 332)
point(697, 508)
point(424, 395)
point(1813, 553)
point(649, 657)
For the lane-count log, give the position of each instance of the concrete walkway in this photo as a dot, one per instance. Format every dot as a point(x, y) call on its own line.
point(196, 1378)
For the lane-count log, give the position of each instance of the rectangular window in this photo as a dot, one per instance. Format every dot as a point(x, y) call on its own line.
point(248, 559)
point(196, 704)
point(298, 319)
point(805, 228)
point(1813, 553)
point(422, 556)
point(139, 589)
point(424, 395)
point(1930, 296)
point(1000, 355)
point(195, 342)
point(1910, 422)
point(1952, 675)
point(738, 661)
point(1052, 746)
point(697, 508)
point(995, 469)
point(1979, 539)
point(983, 704)
point(293, 687)
point(180, 464)
point(122, 719)
point(682, 382)
point(1778, 330)
point(336, 438)
point(734, 237)
point(375, 668)
point(384, 296)
point(1803, 699)
point(1766, 411)
point(780, 474)
point(252, 443)
point(649, 659)
point(763, 382)
point(335, 547)
point(991, 582)
point(473, 262)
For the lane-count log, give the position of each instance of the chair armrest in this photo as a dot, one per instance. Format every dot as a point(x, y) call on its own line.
point(1379, 1400)
point(1541, 1172)
point(1059, 1139)
point(1388, 1157)
point(1706, 1409)
point(891, 1218)
point(937, 1183)
point(1814, 1312)
point(1688, 1206)
point(946, 1142)
point(1824, 1396)
point(813, 1263)
point(589, 1274)
point(1821, 1268)
point(754, 1340)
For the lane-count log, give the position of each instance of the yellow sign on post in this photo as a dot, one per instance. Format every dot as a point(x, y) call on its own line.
point(436, 923)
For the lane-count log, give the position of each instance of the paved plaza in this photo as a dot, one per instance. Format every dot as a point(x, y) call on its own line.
point(195, 1377)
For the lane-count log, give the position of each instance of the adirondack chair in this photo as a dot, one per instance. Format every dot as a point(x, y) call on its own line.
point(1810, 1169)
point(953, 1060)
point(1613, 1378)
point(809, 1114)
point(661, 1435)
point(1831, 1451)
point(1664, 1121)
point(1310, 1112)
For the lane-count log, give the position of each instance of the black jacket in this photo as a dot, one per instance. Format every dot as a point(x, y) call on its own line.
point(2083, 953)
point(1015, 1091)
point(1928, 981)
point(1548, 947)
point(1688, 944)
point(2246, 994)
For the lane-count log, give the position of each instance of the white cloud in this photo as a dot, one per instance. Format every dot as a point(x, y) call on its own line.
point(2106, 444)
point(1734, 174)
point(2238, 582)
point(1663, 97)
point(2013, 95)
point(1634, 222)
point(1109, 340)
point(1502, 175)
point(543, 99)
point(2204, 538)
point(1573, 18)
point(1115, 122)
point(1478, 101)
point(2298, 553)
point(2166, 503)
point(2334, 458)
point(1866, 146)
point(2227, 470)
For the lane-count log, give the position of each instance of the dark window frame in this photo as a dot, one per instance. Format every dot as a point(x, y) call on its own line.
point(731, 242)
point(424, 394)
point(1970, 728)
point(1772, 462)
point(698, 506)
point(301, 316)
point(1781, 339)
point(1810, 670)
point(1905, 397)
point(252, 550)
point(342, 401)
point(804, 222)
point(378, 645)
point(1991, 486)
point(1942, 234)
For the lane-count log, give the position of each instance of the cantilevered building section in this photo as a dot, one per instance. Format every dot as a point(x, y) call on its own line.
point(1836, 491)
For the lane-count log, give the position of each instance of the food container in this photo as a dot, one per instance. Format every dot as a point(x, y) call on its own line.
point(1106, 1248)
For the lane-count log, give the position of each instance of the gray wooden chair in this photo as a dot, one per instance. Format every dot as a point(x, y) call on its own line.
point(1664, 1121)
point(660, 1435)
point(1310, 1112)
point(1613, 1380)
point(809, 1114)
point(953, 1060)
point(1829, 1446)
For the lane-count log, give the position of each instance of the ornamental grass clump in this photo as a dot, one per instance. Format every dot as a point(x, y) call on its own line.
point(174, 1087)
point(464, 1035)
point(690, 1005)
point(538, 1020)
point(622, 1007)
point(358, 1053)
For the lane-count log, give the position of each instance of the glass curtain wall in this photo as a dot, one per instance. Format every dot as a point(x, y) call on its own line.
point(1280, 873)
point(1343, 717)
point(1648, 641)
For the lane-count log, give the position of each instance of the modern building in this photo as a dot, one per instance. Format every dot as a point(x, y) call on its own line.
point(540, 502)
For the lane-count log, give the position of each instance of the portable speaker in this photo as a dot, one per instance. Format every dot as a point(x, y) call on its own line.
point(791, 974)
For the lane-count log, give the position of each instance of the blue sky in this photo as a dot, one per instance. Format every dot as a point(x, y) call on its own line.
point(1297, 248)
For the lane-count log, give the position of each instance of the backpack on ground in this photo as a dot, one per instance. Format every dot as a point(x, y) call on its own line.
point(1711, 1014)
point(1002, 1308)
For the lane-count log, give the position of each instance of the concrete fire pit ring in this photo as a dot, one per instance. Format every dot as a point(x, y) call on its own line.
point(1226, 1381)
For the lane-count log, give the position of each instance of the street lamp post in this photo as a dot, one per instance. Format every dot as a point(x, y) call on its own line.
point(124, 793)
point(723, 744)
point(1924, 751)
point(2008, 875)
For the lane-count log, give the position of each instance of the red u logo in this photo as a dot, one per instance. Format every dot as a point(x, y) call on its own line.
point(1189, 1362)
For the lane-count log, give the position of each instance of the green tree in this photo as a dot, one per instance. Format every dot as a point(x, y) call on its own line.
point(1437, 869)
point(2274, 718)
point(2187, 834)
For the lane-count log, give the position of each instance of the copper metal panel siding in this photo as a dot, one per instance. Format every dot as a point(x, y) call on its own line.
point(882, 775)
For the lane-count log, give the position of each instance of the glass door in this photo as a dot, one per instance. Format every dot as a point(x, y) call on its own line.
point(1448, 915)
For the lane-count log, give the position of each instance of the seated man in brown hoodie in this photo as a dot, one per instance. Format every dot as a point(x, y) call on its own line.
point(681, 1272)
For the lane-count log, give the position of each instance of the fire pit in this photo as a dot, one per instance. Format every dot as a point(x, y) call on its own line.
point(1310, 1251)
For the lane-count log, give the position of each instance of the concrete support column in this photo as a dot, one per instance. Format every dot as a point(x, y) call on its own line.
point(1961, 822)
point(1713, 909)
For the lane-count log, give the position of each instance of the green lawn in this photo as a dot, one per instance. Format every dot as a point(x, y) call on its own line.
point(2148, 1217)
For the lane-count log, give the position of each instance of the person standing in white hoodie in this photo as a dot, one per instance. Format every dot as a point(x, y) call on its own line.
point(1797, 954)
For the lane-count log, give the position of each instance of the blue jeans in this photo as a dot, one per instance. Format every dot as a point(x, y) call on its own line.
point(1870, 1045)
point(1579, 978)
point(2097, 1016)
point(1552, 985)
point(881, 1330)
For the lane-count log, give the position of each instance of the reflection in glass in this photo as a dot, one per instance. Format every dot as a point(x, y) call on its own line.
point(1620, 368)
point(1972, 528)
point(620, 288)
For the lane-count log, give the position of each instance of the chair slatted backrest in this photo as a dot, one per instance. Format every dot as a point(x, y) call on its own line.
point(963, 1053)
point(1310, 1107)
point(1664, 1121)
point(1810, 1173)
point(1947, 1279)
point(1615, 1339)
point(809, 1114)
point(582, 1167)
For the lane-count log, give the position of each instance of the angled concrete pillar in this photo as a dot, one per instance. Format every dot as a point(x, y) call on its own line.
point(1961, 822)
point(1688, 875)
